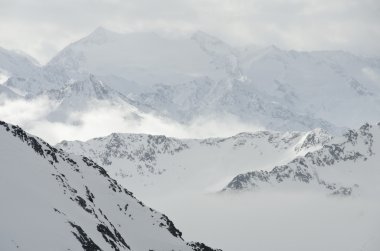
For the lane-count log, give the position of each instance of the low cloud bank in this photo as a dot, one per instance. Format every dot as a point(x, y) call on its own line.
point(102, 118)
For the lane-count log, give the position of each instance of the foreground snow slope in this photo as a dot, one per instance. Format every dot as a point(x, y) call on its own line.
point(53, 200)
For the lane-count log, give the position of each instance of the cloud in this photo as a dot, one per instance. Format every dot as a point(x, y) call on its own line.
point(20, 111)
point(103, 119)
point(282, 220)
point(41, 28)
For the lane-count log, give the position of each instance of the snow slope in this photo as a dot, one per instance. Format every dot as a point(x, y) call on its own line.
point(51, 199)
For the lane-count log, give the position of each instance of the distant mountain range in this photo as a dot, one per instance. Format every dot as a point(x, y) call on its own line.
point(200, 76)
point(155, 165)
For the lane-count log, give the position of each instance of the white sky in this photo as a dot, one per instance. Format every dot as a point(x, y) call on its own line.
point(42, 27)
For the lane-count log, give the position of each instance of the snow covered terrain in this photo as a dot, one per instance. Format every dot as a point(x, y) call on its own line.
point(157, 164)
point(52, 200)
point(192, 173)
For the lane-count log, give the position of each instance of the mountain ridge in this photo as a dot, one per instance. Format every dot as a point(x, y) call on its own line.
point(75, 202)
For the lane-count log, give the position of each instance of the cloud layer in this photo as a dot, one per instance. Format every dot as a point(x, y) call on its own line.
point(103, 119)
point(41, 28)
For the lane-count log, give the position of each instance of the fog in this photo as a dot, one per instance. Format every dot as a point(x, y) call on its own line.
point(102, 118)
point(276, 220)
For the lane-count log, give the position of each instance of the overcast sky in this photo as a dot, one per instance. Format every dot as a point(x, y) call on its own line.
point(42, 27)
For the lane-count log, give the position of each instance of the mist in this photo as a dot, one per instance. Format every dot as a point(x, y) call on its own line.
point(276, 220)
point(102, 118)
point(43, 28)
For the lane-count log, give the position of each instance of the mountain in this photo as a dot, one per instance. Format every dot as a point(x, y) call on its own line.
point(199, 77)
point(341, 166)
point(153, 165)
point(143, 58)
point(317, 82)
point(83, 95)
point(187, 78)
point(209, 100)
point(16, 63)
point(281, 90)
point(226, 191)
point(22, 74)
point(52, 199)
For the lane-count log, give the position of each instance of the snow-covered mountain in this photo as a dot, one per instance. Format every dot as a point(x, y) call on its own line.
point(190, 77)
point(16, 63)
point(144, 58)
point(159, 164)
point(341, 166)
point(282, 90)
point(83, 95)
point(22, 73)
point(327, 84)
point(210, 100)
point(199, 77)
point(54, 200)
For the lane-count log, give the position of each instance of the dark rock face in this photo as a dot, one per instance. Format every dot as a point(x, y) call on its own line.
point(81, 236)
point(113, 238)
point(170, 226)
point(197, 246)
